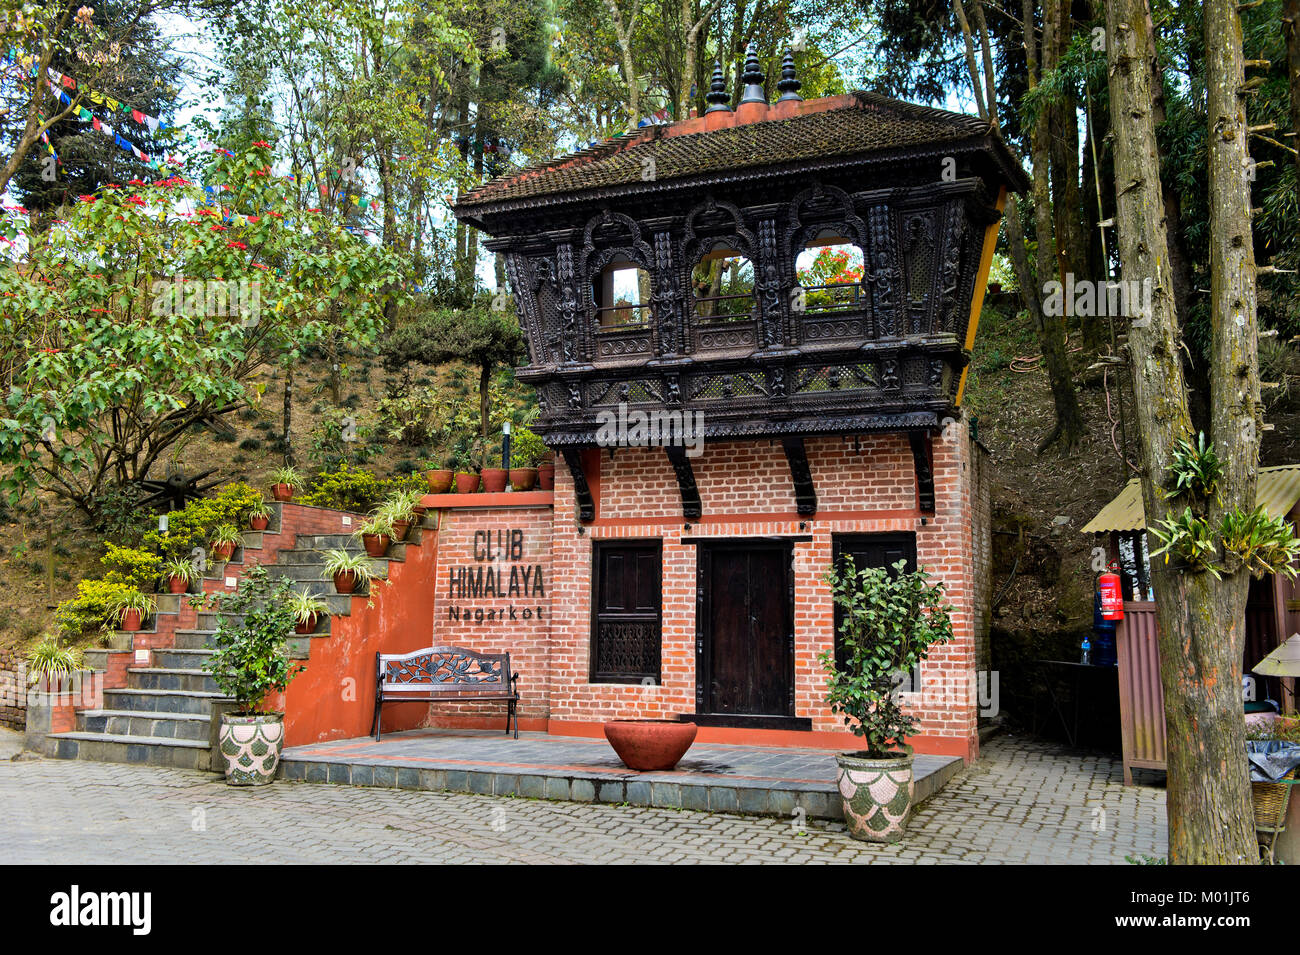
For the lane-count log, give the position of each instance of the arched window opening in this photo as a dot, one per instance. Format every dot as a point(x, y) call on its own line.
point(829, 270)
point(622, 295)
point(723, 287)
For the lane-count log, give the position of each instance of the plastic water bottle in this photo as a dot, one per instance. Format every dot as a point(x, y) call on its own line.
point(1086, 657)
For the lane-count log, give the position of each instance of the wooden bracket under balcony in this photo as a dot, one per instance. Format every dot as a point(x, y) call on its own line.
point(581, 489)
point(920, 442)
point(691, 506)
point(805, 494)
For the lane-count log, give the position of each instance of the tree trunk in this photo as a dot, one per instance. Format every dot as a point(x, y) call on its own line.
point(287, 433)
point(1201, 620)
point(484, 387)
point(1291, 30)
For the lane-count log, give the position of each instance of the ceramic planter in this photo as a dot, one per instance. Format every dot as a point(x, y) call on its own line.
point(132, 620)
point(650, 745)
point(546, 477)
point(306, 626)
point(250, 747)
point(222, 551)
point(439, 480)
point(494, 480)
point(876, 795)
point(467, 483)
point(523, 479)
point(282, 492)
point(346, 582)
point(177, 585)
point(376, 545)
point(259, 523)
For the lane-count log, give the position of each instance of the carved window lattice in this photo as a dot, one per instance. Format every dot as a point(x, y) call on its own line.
point(626, 650)
point(727, 386)
point(837, 378)
point(637, 391)
point(919, 244)
point(444, 668)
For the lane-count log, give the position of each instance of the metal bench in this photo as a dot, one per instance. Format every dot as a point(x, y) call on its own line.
point(445, 674)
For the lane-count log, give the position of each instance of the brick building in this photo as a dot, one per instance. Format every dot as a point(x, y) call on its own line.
point(802, 279)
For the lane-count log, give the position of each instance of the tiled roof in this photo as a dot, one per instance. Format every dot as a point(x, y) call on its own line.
point(859, 123)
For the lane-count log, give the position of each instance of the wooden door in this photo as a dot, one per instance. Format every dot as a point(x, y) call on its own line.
point(745, 644)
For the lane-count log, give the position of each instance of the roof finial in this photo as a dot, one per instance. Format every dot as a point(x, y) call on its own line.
point(789, 85)
point(752, 78)
point(718, 98)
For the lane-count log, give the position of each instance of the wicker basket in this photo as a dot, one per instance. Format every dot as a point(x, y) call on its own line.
point(1268, 802)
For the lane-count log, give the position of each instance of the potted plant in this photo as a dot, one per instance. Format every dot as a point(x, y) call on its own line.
point(400, 511)
point(376, 533)
point(494, 479)
point(307, 608)
point(439, 474)
point(466, 463)
point(259, 518)
point(179, 573)
point(225, 538)
point(250, 663)
point(890, 621)
point(130, 608)
point(283, 482)
point(347, 569)
point(529, 453)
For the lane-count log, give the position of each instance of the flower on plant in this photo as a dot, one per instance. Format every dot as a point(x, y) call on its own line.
point(262, 143)
point(219, 228)
point(237, 245)
point(86, 198)
point(135, 200)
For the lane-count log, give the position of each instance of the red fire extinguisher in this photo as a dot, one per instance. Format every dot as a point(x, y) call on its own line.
point(1112, 594)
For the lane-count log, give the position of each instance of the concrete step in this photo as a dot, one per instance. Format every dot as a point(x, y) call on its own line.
point(307, 573)
point(189, 726)
point(160, 678)
point(182, 659)
point(336, 603)
point(161, 701)
point(145, 750)
point(193, 639)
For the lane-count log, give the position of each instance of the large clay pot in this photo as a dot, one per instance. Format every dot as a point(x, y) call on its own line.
point(282, 492)
point(401, 529)
point(177, 585)
point(494, 480)
point(467, 483)
point(250, 746)
point(546, 477)
point(306, 626)
point(439, 480)
point(876, 795)
point(132, 620)
point(650, 745)
point(523, 479)
point(259, 523)
point(346, 582)
point(376, 545)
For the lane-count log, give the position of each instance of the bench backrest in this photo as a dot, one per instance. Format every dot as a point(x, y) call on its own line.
point(444, 669)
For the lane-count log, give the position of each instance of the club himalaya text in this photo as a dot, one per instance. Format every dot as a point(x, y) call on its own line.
point(489, 578)
point(76, 908)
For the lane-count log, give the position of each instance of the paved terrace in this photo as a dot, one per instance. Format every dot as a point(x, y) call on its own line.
point(1025, 801)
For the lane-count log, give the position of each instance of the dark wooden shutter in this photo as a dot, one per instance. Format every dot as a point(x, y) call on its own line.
point(626, 611)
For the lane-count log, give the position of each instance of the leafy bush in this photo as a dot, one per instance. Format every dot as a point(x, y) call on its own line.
point(339, 439)
point(189, 527)
point(92, 607)
point(356, 489)
point(251, 658)
point(527, 450)
point(135, 567)
point(51, 659)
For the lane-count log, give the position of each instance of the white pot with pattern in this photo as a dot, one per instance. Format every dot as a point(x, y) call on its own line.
point(876, 795)
point(251, 746)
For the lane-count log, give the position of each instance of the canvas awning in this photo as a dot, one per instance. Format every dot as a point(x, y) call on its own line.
point(1278, 491)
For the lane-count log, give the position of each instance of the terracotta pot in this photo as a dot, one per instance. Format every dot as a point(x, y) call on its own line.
point(546, 477)
point(494, 480)
point(439, 480)
point(177, 585)
point(346, 582)
point(306, 626)
point(523, 479)
point(376, 545)
point(401, 529)
point(467, 483)
point(650, 745)
point(132, 620)
point(222, 551)
point(282, 492)
point(876, 795)
point(250, 747)
point(259, 523)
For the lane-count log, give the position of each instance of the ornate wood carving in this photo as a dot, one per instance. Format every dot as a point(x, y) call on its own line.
point(581, 489)
point(691, 507)
point(920, 442)
point(805, 494)
point(767, 272)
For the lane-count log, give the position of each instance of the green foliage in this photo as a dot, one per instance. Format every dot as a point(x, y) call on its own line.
point(527, 450)
point(287, 475)
point(339, 438)
point(339, 561)
point(91, 608)
point(304, 605)
point(1263, 544)
point(51, 659)
point(132, 566)
point(127, 600)
point(180, 569)
point(251, 658)
point(1188, 538)
point(190, 527)
point(890, 621)
point(226, 534)
point(356, 489)
point(1195, 469)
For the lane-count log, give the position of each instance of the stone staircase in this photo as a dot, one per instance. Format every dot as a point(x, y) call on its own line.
point(168, 712)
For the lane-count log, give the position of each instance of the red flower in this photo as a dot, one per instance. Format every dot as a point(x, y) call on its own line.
point(86, 198)
point(263, 143)
point(219, 228)
point(276, 214)
point(206, 212)
point(252, 218)
point(135, 200)
point(136, 182)
point(237, 245)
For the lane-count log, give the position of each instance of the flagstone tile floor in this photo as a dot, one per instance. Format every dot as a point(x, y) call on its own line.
point(1025, 801)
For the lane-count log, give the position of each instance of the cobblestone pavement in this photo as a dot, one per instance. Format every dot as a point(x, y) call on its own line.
point(1025, 801)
